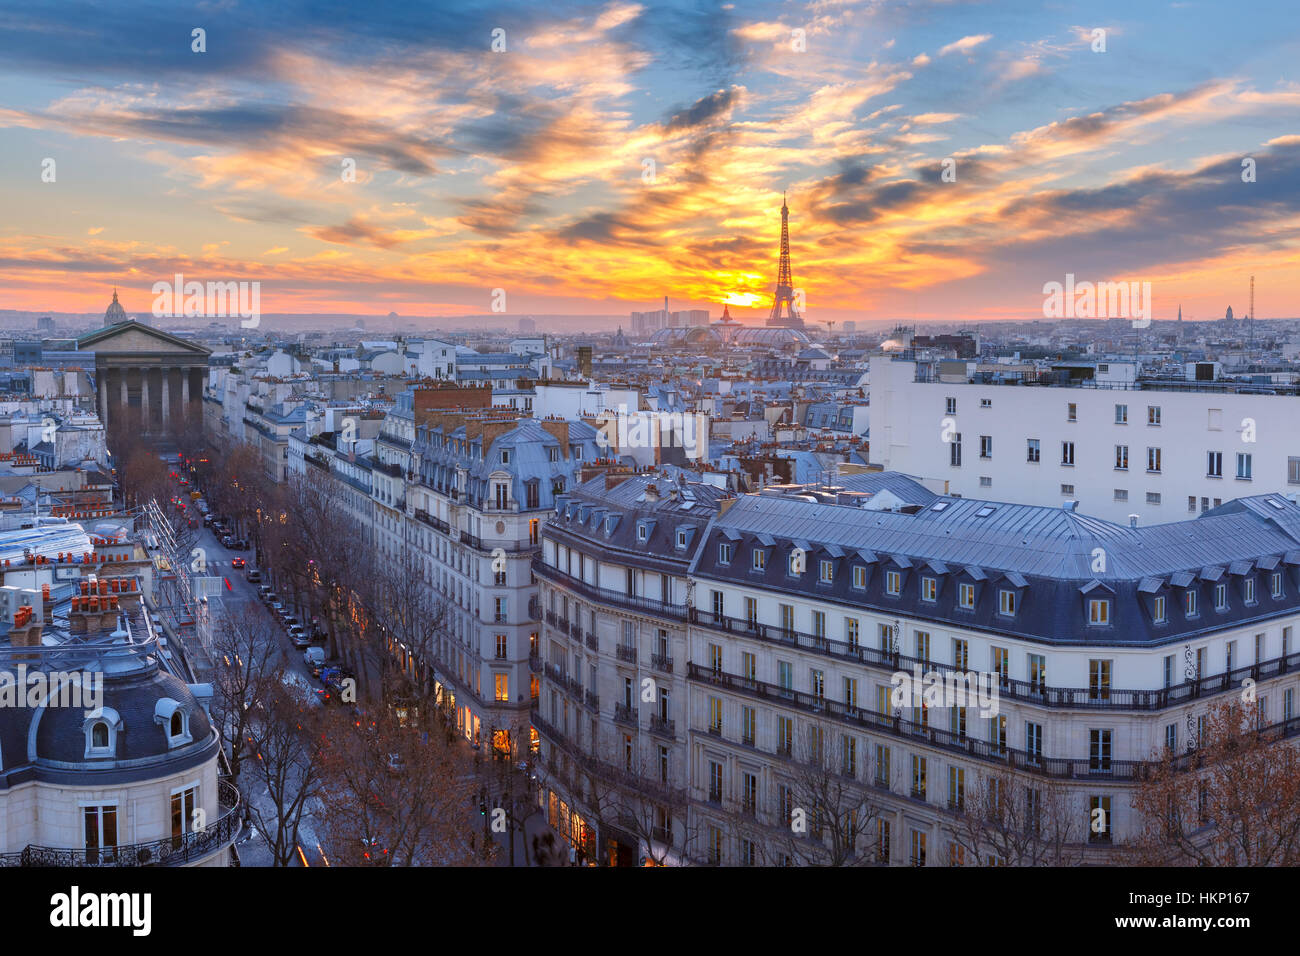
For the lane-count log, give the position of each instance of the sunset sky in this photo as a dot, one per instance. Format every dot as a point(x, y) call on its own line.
point(526, 170)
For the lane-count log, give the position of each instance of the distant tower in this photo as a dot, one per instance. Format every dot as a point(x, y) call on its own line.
point(1250, 319)
point(114, 313)
point(784, 294)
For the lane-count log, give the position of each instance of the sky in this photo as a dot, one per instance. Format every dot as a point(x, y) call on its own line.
point(941, 160)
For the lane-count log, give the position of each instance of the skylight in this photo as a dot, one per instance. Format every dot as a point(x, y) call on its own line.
point(985, 512)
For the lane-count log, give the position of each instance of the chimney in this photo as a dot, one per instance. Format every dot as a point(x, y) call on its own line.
point(651, 493)
point(559, 429)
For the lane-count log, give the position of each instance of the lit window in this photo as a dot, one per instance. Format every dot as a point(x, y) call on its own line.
point(760, 559)
point(1099, 611)
point(892, 582)
point(1158, 609)
point(1007, 602)
point(966, 596)
point(929, 589)
point(827, 572)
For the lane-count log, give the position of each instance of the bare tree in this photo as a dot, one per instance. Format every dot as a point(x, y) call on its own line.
point(1233, 801)
point(288, 765)
point(1016, 819)
point(831, 807)
point(246, 673)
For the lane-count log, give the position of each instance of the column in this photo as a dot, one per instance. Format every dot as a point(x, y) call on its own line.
point(144, 400)
point(166, 400)
point(187, 414)
point(125, 400)
point(103, 398)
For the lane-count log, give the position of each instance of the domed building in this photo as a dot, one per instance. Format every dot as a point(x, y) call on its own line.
point(699, 336)
point(775, 337)
point(116, 762)
point(115, 313)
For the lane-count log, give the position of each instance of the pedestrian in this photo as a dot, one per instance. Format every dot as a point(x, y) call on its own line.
point(573, 855)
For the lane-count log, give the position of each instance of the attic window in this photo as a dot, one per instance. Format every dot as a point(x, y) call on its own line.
point(505, 456)
point(985, 512)
point(939, 506)
point(553, 454)
point(681, 538)
point(640, 532)
point(1276, 504)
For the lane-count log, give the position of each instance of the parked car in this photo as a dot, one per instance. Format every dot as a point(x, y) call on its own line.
point(314, 658)
point(291, 622)
point(299, 636)
point(275, 604)
point(265, 592)
point(254, 575)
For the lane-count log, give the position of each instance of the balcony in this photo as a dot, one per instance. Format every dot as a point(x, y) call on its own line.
point(575, 630)
point(663, 727)
point(626, 653)
point(661, 663)
point(591, 700)
point(624, 714)
point(604, 595)
point(592, 643)
point(436, 523)
point(1033, 692)
point(673, 796)
point(473, 540)
point(535, 664)
point(191, 847)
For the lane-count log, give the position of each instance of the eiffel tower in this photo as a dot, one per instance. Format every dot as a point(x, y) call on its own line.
point(784, 294)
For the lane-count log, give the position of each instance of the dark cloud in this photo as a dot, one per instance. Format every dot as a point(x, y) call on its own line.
point(354, 232)
point(704, 110)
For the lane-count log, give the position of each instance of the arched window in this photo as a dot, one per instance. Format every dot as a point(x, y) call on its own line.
point(177, 725)
point(99, 735)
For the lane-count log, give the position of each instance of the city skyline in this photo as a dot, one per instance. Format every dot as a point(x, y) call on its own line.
point(613, 153)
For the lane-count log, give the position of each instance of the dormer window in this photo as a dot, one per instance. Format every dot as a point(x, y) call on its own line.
point(1189, 604)
point(929, 589)
point(1007, 603)
point(826, 572)
point(101, 729)
point(1158, 609)
point(1249, 590)
point(175, 720)
point(724, 553)
point(1099, 612)
point(859, 577)
point(759, 558)
point(1220, 597)
point(893, 583)
point(966, 596)
point(505, 456)
point(640, 532)
point(681, 539)
point(553, 454)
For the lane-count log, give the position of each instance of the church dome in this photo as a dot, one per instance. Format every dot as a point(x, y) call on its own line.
point(115, 313)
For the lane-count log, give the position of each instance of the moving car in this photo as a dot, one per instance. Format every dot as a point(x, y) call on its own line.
point(237, 563)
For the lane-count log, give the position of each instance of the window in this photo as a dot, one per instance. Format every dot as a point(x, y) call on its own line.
point(505, 456)
point(986, 403)
point(918, 848)
point(960, 654)
point(954, 453)
point(715, 782)
point(1248, 590)
point(1067, 453)
point(1007, 602)
point(1158, 609)
point(1099, 826)
point(929, 589)
point(923, 646)
point(882, 765)
point(1121, 457)
point(640, 532)
point(1067, 489)
point(100, 829)
point(956, 788)
point(1275, 584)
point(760, 559)
point(851, 631)
point(796, 562)
point(1099, 611)
point(501, 647)
point(1099, 679)
point(1220, 597)
point(882, 841)
point(1214, 464)
point(1034, 740)
point(859, 577)
point(986, 446)
point(1171, 738)
point(1032, 450)
point(1071, 412)
point(501, 686)
point(1189, 603)
point(893, 582)
point(1293, 471)
point(1038, 671)
point(918, 777)
point(1243, 466)
point(1153, 460)
point(724, 553)
point(784, 735)
point(1099, 750)
point(1153, 497)
point(183, 804)
point(966, 596)
point(681, 538)
point(1121, 414)
point(1191, 503)
point(950, 406)
point(1153, 414)
point(826, 572)
point(715, 715)
point(1121, 494)
point(99, 734)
